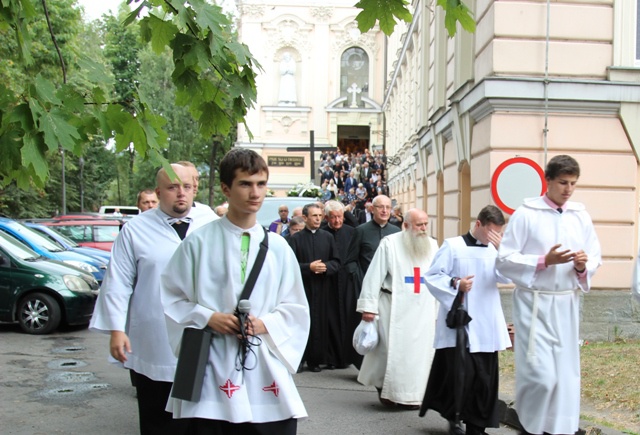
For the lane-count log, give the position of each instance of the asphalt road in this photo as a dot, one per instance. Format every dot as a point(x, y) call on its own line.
point(62, 384)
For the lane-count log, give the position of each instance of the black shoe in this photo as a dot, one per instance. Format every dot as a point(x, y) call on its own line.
point(472, 429)
point(455, 428)
point(330, 367)
point(315, 369)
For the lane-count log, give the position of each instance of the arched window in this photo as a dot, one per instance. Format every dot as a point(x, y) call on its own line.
point(354, 70)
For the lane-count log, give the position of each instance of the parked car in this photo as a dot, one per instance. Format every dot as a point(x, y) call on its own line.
point(68, 244)
point(50, 250)
point(269, 210)
point(93, 233)
point(40, 294)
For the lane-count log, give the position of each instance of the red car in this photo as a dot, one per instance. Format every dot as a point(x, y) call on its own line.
point(94, 233)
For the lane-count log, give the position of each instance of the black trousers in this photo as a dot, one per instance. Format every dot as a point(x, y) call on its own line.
point(479, 408)
point(152, 399)
point(201, 426)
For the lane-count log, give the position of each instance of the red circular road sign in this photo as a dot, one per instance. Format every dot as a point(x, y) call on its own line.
point(514, 180)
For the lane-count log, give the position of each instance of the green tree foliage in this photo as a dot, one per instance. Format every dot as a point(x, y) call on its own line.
point(387, 12)
point(49, 112)
point(56, 94)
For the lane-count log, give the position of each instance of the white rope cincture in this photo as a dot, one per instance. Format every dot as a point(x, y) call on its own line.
point(531, 349)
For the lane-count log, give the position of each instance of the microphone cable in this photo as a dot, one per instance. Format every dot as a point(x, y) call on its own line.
point(247, 342)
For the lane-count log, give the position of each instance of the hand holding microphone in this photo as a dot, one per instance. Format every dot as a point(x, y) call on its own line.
point(246, 335)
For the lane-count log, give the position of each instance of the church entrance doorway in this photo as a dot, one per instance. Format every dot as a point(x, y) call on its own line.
point(353, 138)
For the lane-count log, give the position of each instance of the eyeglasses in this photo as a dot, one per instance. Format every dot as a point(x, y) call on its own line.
point(383, 207)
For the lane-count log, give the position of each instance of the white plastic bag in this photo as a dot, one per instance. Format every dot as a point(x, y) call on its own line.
point(365, 337)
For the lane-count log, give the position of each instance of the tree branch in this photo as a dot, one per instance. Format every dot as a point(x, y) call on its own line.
point(55, 42)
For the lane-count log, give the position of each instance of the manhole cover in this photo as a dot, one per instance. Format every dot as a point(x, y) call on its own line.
point(69, 349)
point(65, 364)
point(71, 390)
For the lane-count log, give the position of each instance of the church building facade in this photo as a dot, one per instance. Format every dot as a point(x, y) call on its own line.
point(320, 77)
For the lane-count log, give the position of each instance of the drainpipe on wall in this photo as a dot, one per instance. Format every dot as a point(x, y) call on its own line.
point(545, 131)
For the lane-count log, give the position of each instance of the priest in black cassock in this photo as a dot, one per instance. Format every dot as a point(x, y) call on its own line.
point(318, 258)
point(363, 245)
point(341, 322)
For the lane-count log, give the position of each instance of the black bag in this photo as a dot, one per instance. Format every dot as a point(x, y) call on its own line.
point(194, 347)
point(192, 361)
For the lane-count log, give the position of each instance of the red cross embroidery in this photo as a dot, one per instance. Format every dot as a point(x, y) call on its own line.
point(416, 280)
point(229, 388)
point(273, 388)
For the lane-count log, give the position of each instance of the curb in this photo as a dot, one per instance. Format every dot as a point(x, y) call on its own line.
point(509, 417)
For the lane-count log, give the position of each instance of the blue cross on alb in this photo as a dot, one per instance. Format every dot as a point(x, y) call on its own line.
point(416, 280)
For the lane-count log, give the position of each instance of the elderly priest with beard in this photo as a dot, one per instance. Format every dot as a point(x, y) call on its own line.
point(394, 289)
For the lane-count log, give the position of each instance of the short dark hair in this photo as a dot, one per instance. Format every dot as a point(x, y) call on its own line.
point(561, 165)
point(305, 209)
point(245, 160)
point(146, 192)
point(491, 215)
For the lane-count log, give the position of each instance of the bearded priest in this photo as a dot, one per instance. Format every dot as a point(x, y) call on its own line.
point(395, 291)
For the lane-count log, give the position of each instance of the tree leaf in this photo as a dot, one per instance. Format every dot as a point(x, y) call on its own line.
point(69, 97)
point(56, 129)
point(45, 90)
point(159, 32)
point(132, 133)
point(32, 152)
point(209, 16)
point(383, 11)
point(95, 72)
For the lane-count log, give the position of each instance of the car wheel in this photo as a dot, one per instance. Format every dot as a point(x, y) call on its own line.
point(38, 313)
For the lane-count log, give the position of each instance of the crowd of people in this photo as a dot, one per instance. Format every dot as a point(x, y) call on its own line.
point(353, 178)
point(436, 309)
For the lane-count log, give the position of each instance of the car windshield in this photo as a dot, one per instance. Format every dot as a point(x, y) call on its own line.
point(16, 248)
point(58, 239)
point(35, 238)
point(105, 233)
point(78, 233)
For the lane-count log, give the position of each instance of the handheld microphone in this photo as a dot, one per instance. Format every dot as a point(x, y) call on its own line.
point(244, 306)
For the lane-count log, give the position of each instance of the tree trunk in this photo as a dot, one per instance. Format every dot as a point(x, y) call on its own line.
point(212, 170)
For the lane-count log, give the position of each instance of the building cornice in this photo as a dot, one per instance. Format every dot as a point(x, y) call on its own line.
point(301, 109)
point(527, 95)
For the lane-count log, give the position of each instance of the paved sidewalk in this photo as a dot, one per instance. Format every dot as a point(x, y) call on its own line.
point(338, 404)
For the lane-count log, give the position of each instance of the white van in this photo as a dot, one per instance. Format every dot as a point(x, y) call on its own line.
point(124, 209)
point(269, 210)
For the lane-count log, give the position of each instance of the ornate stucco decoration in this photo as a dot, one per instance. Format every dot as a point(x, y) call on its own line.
point(253, 10)
point(322, 13)
point(348, 35)
point(287, 31)
point(286, 122)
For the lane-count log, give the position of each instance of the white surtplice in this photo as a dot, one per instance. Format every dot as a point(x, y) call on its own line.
point(546, 311)
point(401, 361)
point(204, 277)
point(488, 330)
point(129, 298)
